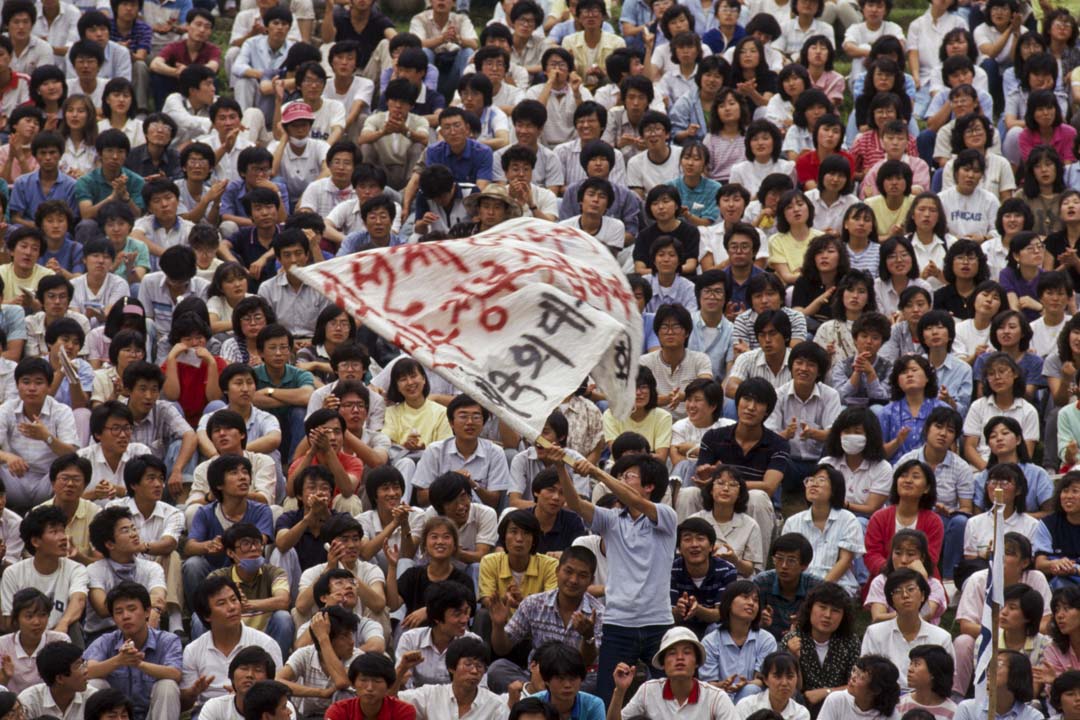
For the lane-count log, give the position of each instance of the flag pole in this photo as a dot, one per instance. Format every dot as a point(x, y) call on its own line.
point(991, 673)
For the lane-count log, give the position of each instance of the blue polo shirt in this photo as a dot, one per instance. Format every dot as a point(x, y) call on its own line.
point(206, 526)
point(26, 194)
point(70, 256)
point(586, 706)
point(474, 162)
point(232, 198)
point(160, 648)
point(292, 379)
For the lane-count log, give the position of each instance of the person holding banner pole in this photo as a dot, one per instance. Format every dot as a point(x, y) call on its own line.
point(640, 540)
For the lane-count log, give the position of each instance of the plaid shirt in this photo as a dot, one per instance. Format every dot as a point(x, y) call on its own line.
point(538, 618)
point(140, 36)
point(721, 573)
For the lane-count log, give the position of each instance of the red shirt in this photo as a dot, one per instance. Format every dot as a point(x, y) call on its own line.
point(176, 53)
point(193, 388)
point(392, 709)
point(808, 164)
point(353, 465)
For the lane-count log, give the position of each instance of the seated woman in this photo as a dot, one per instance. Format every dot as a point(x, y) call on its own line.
point(873, 691)
point(1003, 386)
point(915, 395)
point(1009, 480)
point(413, 420)
point(735, 650)
point(898, 270)
point(508, 577)
point(227, 288)
point(30, 610)
point(826, 618)
point(333, 328)
point(439, 546)
point(965, 268)
point(930, 680)
point(1005, 438)
point(852, 299)
point(724, 499)
point(191, 370)
point(911, 505)
point(855, 448)
point(1015, 689)
point(249, 317)
point(646, 419)
point(824, 265)
point(1044, 184)
point(1011, 334)
point(910, 549)
point(834, 532)
point(780, 674)
point(907, 592)
point(1021, 275)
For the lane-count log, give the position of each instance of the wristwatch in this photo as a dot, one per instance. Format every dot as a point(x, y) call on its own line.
point(49, 440)
point(270, 392)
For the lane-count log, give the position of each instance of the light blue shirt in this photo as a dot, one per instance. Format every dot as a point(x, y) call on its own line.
point(685, 112)
point(955, 375)
point(702, 199)
point(1040, 487)
point(487, 466)
point(638, 595)
point(86, 380)
point(723, 658)
point(586, 706)
point(843, 531)
point(896, 415)
point(256, 54)
point(360, 240)
point(985, 101)
point(117, 61)
point(681, 292)
point(976, 710)
point(721, 350)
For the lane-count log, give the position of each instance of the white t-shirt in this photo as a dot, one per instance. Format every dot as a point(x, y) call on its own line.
point(968, 337)
point(974, 214)
point(612, 230)
point(641, 172)
point(301, 170)
point(863, 37)
point(331, 113)
point(70, 577)
point(985, 408)
point(1044, 338)
point(148, 573)
point(361, 89)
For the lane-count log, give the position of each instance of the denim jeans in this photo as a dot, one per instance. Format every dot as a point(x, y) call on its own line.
point(281, 628)
point(628, 645)
point(952, 547)
point(450, 72)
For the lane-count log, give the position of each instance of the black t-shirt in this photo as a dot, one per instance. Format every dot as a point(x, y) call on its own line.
point(414, 582)
point(685, 233)
point(946, 298)
point(373, 32)
point(568, 527)
point(804, 293)
point(310, 550)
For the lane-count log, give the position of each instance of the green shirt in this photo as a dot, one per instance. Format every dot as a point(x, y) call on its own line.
point(291, 379)
point(94, 187)
point(142, 257)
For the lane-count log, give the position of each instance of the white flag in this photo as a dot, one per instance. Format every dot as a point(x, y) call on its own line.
point(516, 316)
point(995, 592)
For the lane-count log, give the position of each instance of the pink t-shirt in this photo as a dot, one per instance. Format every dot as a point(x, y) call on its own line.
point(974, 594)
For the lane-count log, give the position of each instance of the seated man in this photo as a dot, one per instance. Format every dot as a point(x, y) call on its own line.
point(69, 475)
point(262, 430)
point(506, 578)
point(156, 157)
point(228, 436)
point(35, 430)
point(283, 389)
point(863, 379)
point(229, 478)
point(113, 534)
point(161, 291)
point(194, 50)
point(345, 536)
point(111, 425)
point(264, 589)
point(137, 659)
point(372, 676)
point(465, 665)
point(698, 578)
point(63, 690)
point(784, 587)
point(481, 460)
point(45, 183)
point(94, 27)
point(424, 649)
point(539, 618)
point(590, 118)
point(559, 526)
point(337, 588)
point(261, 57)
point(316, 672)
point(297, 305)
point(380, 139)
point(104, 183)
point(190, 105)
point(597, 159)
point(160, 425)
point(563, 671)
point(49, 569)
point(451, 495)
point(218, 604)
point(247, 667)
point(54, 294)
point(301, 529)
point(22, 274)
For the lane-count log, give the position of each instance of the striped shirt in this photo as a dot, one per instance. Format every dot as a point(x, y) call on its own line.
point(770, 453)
point(538, 619)
point(744, 326)
point(955, 481)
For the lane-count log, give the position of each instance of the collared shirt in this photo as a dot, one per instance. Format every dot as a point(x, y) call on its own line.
point(724, 658)
point(547, 173)
point(744, 326)
point(264, 470)
point(437, 702)
point(323, 195)
point(707, 589)
point(569, 154)
point(655, 700)
point(680, 292)
point(256, 54)
point(867, 392)
point(160, 648)
point(161, 426)
point(474, 163)
point(70, 256)
point(525, 466)
point(432, 669)
point(694, 365)
point(760, 701)
point(164, 237)
point(33, 486)
point(885, 638)
point(496, 576)
point(842, 532)
point(868, 478)
point(159, 303)
point(35, 333)
point(164, 520)
point(78, 525)
point(361, 240)
point(487, 465)
point(626, 208)
point(26, 672)
point(714, 342)
point(770, 453)
point(955, 481)
point(202, 658)
point(94, 188)
point(34, 55)
point(897, 414)
point(638, 594)
point(955, 375)
point(191, 122)
point(296, 309)
point(140, 37)
point(62, 32)
point(819, 411)
point(975, 710)
point(538, 619)
point(100, 470)
point(985, 408)
point(37, 700)
point(782, 606)
point(27, 194)
point(752, 364)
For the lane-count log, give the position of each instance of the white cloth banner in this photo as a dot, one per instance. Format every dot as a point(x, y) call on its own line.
point(516, 316)
point(995, 593)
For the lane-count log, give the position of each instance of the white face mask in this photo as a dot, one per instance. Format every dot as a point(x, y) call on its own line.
point(298, 144)
point(853, 444)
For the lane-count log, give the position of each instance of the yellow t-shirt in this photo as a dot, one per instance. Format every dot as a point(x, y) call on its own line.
point(496, 576)
point(13, 283)
point(783, 248)
point(429, 419)
point(884, 218)
point(656, 428)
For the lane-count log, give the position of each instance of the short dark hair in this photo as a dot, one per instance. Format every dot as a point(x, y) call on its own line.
point(557, 659)
point(443, 596)
point(210, 586)
point(220, 466)
point(372, 665)
point(794, 543)
point(264, 696)
point(253, 656)
point(929, 499)
point(467, 647)
point(128, 590)
point(831, 594)
point(732, 591)
point(103, 526)
point(54, 661)
point(136, 468)
point(696, 526)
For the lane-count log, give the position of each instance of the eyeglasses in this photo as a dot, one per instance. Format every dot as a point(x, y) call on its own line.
point(118, 430)
point(729, 484)
point(248, 545)
point(357, 405)
point(1000, 481)
point(898, 256)
point(713, 292)
point(906, 591)
point(253, 319)
point(469, 664)
point(669, 328)
point(779, 561)
point(630, 476)
point(815, 480)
